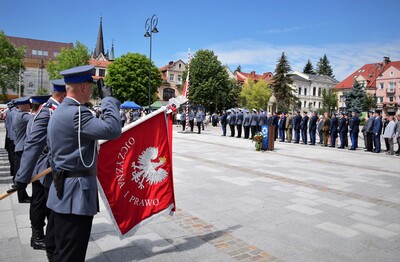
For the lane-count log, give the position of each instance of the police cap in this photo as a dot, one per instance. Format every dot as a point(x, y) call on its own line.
point(80, 74)
point(58, 85)
point(22, 100)
point(39, 99)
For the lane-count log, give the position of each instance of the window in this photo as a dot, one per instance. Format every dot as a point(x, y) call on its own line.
point(305, 91)
point(40, 52)
point(179, 78)
point(319, 104)
point(180, 66)
point(34, 52)
point(305, 103)
point(391, 73)
point(379, 99)
point(299, 90)
point(314, 103)
point(391, 98)
point(314, 91)
point(55, 54)
point(319, 91)
point(102, 72)
point(45, 53)
point(171, 77)
point(391, 87)
point(168, 93)
point(381, 85)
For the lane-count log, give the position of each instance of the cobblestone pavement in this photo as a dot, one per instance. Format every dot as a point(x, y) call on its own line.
point(297, 203)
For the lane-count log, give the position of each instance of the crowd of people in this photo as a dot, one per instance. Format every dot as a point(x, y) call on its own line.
point(338, 130)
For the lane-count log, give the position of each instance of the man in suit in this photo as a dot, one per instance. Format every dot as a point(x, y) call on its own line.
point(282, 127)
point(354, 128)
point(303, 126)
point(377, 131)
point(296, 127)
point(289, 127)
point(369, 130)
point(326, 124)
point(232, 122)
point(333, 129)
point(73, 134)
point(342, 130)
point(313, 127)
point(35, 159)
point(239, 123)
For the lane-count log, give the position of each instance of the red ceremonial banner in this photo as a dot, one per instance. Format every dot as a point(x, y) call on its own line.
point(135, 172)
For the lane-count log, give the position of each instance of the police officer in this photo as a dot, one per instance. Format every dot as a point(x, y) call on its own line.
point(253, 123)
point(313, 128)
point(282, 126)
point(10, 135)
point(246, 124)
point(20, 121)
point(183, 120)
point(333, 129)
point(232, 122)
point(377, 131)
point(369, 130)
point(354, 127)
point(304, 127)
point(342, 130)
point(239, 123)
point(72, 139)
point(224, 122)
point(191, 120)
point(36, 151)
point(296, 127)
point(262, 119)
point(199, 120)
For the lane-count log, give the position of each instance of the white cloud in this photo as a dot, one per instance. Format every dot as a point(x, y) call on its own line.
point(262, 57)
point(293, 28)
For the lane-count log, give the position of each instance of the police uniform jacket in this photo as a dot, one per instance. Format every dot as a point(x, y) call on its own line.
point(254, 119)
point(354, 125)
point(343, 125)
point(35, 157)
point(262, 119)
point(20, 121)
point(247, 120)
point(224, 119)
point(183, 116)
point(239, 119)
point(296, 122)
point(313, 123)
point(377, 127)
point(199, 117)
point(334, 125)
point(9, 123)
point(304, 122)
point(232, 119)
point(80, 193)
point(282, 123)
point(191, 116)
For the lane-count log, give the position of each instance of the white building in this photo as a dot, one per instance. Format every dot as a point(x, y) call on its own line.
point(308, 88)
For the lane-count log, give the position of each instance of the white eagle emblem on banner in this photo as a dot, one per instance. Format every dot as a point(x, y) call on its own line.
point(147, 169)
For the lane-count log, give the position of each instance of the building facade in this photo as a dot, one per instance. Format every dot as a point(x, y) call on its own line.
point(37, 55)
point(309, 88)
point(388, 89)
point(242, 77)
point(172, 75)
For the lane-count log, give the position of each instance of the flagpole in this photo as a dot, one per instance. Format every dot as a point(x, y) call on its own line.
point(187, 94)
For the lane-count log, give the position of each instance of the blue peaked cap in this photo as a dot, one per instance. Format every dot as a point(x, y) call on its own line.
point(80, 74)
point(40, 99)
point(22, 100)
point(58, 85)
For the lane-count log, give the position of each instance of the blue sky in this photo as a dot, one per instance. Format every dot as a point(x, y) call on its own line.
point(252, 34)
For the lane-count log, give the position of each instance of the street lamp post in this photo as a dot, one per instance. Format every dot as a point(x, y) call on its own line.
point(151, 27)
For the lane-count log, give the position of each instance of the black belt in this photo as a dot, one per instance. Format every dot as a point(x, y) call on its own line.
point(80, 173)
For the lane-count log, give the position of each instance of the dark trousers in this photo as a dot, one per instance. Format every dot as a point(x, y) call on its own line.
point(282, 134)
point(333, 138)
point(232, 128)
point(122, 123)
point(37, 210)
point(387, 144)
point(312, 136)
point(343, 137)
point(22, 195)
point(276, 132)
point(183, 125)
point(239, 130)
point(246, 131)
point(304, 136)
point(49, 239)
point(191, 123)
point(354, 140)
point(253, 131)
point(72, 236)
point(369, 141)
point(321, 137)
point(289, 135)
point(11, 148)
point(199, 127)
point(377, 142)
point(223, 126)
point(297, 136)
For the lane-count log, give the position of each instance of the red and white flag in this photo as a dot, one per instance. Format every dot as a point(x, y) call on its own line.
point(135, 172)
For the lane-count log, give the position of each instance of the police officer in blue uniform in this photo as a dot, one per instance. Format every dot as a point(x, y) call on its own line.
point(35, 159)
point(312, 127)
point(377, 131)
point(296, 127)
point(239, 123)
point(304, 127)
point(253, 123)
point(191, 120)
point(72, 137)
point(232, 122)
point(10, 135)
point(342, 130)
point(333, 129)
point(354, 128)
point(262, 119)
point(199, 120)
point(246, 124)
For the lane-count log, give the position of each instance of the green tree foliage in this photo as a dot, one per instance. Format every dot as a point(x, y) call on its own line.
point(324, 67)
point(282, 82)
point(329, 100)
point(308, 68)
point(128, 75)
point(68, 58)
point(231, 98)
point(209, 81)
point(11, 65)
point(369, 102)
point(255, 95)
point(355, 98)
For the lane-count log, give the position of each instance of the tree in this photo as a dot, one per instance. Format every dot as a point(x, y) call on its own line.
point(255, 95)
point(208, 81)
point(369, 102)
point(11, 64)
point(329, 100)
point(308, 68)
point(283, 91)
point(232, 97)
point(128, 75)
point(355, 98)
point(323, 67)
point(68, 58)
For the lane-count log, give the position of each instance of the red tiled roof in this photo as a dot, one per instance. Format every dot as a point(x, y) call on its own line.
point(98, 63)
point(368, 71)
point(242, 76)
point(39, 45)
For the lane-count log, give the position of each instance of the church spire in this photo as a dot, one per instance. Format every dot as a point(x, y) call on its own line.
point(112, 51)
point(100, 43)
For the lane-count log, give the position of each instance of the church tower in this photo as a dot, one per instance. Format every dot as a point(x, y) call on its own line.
point(99, 50)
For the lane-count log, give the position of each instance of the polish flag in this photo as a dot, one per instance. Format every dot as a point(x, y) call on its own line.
point(135, 172)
